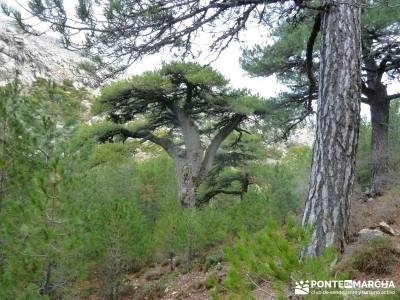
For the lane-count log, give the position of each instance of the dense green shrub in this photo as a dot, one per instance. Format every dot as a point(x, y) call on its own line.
point(39, 227)
point(364, 162)
point(378, 256)
point(187, 233)
point(282, 184)
point(119, 238)
point(271, 255)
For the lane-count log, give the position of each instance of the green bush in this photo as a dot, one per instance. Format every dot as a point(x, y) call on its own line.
point(39, 229)
point(364, 164)
point(43, 242)
point(120, 239)
point(282, 185)
point(378, 256)
point(211, 281)
point(180, 232)
point(272, 254)
point(213, 259)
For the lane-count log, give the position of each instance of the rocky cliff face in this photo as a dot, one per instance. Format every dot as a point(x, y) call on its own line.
point(27, 57)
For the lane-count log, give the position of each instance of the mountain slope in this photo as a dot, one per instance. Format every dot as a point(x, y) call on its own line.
point(27, 57)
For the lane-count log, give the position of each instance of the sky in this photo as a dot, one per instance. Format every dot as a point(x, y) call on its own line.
point(227, 63)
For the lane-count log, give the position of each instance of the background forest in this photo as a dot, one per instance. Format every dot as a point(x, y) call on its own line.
point(73, 209)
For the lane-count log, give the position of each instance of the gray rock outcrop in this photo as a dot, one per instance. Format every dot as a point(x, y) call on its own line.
point(26, 57)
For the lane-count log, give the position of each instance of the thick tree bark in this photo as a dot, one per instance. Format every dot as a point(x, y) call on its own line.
point(379, 144)
point(196, 163)
point(378, 100)
point(211, 152)
point(327, 205)
point(188, 166)
point(191, 138)
point(186, 187)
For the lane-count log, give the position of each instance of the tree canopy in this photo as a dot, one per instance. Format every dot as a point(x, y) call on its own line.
point(288, 57)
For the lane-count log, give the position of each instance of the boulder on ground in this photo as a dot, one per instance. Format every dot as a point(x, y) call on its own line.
point(368, 234)
point(386, 228)
point(153, 274)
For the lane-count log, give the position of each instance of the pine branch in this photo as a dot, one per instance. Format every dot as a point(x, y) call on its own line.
point(309, 60)
point(393, 97)
point(209, 195)
point(143, 134)
point(216, 142)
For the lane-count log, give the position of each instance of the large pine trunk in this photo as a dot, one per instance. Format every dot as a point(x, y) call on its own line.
point(379, 144)
point(188, 166)
point(327, 205)
point(186, 186)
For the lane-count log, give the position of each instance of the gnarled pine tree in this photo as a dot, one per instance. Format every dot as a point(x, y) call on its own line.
point(186, 109)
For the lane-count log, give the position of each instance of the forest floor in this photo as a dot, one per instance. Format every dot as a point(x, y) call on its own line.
point(368, 214)
point(159, 282)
